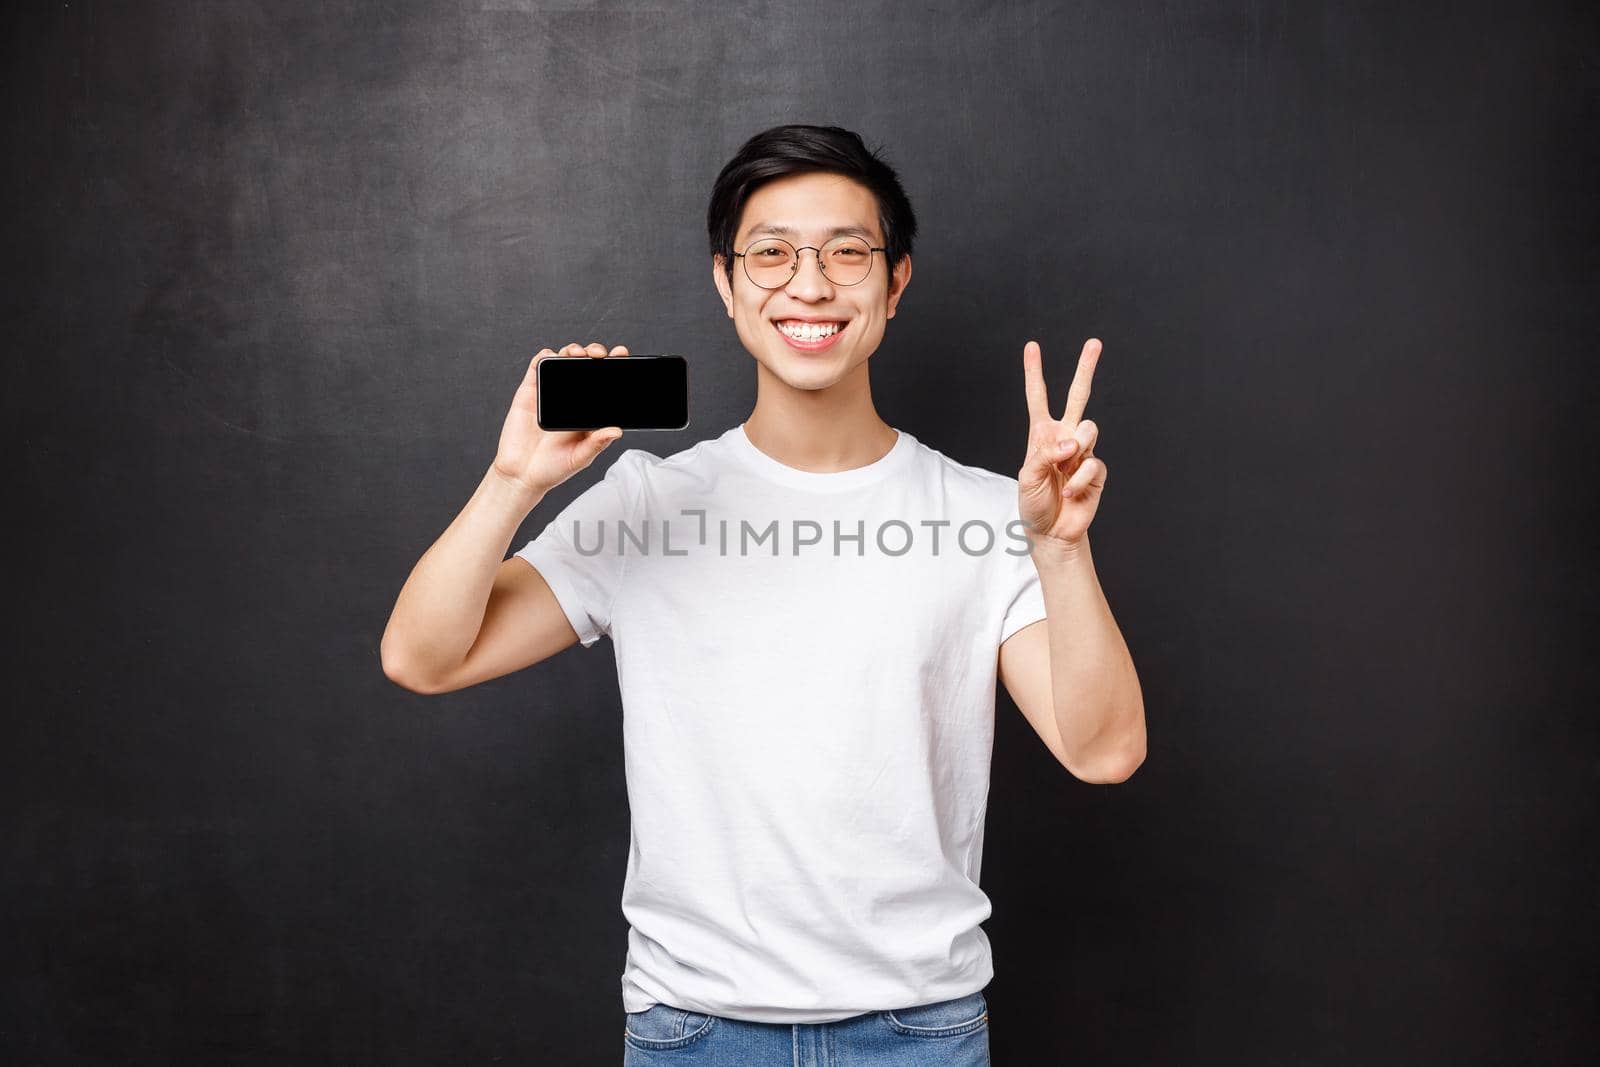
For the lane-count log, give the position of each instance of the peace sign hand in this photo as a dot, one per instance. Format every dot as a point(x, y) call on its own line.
point(1058, 488)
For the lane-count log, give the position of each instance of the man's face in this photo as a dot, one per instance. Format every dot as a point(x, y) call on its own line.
point(812, 206)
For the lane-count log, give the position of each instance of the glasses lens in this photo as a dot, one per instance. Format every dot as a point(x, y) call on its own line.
point(847, 260)
point(770, 263)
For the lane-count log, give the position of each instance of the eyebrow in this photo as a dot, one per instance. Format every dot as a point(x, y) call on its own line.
point(789, 231)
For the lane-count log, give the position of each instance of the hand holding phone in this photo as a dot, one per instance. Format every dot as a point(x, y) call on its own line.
point(537, 459)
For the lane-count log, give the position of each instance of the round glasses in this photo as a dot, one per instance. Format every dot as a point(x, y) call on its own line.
point(772, 261)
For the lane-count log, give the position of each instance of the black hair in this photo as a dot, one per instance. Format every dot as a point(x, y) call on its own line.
point(800, 149)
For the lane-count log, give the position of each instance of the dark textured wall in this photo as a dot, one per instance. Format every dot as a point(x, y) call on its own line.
point(273, 271)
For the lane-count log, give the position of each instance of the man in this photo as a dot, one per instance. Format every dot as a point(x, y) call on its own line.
point(809, 614)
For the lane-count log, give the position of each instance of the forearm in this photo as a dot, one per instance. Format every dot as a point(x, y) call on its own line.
point(1098, 704)
point(441, 606)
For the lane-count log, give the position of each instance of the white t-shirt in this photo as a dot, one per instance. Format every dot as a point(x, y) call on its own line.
point(807, 722)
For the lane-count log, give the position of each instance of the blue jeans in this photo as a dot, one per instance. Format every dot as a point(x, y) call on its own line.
point(950, 1033)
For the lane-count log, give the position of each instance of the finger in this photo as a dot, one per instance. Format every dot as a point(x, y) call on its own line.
point(1033, 383)
point(1078, 394)
point(620, 350)
point(1091, 474)
point(530, 377)
point(1087, 434)
point(1056, 440)
point(574, 349)
point(595, 442)
point(1038, 467)
point(595, 348)
point(1076, 441)
point(1065, 452)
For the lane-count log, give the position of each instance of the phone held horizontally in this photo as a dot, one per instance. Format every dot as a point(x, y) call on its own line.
point(629, 392)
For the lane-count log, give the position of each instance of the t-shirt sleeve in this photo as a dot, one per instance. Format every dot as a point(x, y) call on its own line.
point(577, 551)
point(1019, 578)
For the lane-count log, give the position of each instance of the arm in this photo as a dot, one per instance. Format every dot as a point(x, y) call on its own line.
point(1072, 676)
point(467, 614)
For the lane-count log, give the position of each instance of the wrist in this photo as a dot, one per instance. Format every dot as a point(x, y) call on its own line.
point(511, 493)
point(1056, 552)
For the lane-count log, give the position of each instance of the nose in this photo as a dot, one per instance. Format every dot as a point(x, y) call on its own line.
point(809, 282)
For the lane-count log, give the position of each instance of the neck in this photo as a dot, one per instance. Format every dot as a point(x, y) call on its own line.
point(818, 430)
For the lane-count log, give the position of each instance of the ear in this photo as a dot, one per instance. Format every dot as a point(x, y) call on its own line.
point(897, 284)
point(719, 276)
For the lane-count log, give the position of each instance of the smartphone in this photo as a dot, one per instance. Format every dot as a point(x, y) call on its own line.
point(630, 392)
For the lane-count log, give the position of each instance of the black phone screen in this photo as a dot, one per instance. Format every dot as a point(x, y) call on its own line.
point(631, 392)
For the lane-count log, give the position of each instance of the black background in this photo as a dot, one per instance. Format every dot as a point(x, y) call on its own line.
point(273, 271)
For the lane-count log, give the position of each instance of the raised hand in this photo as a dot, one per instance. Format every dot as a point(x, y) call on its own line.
point(538, 460)
point(1059, 486)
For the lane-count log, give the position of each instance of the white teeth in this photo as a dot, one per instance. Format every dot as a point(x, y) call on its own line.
point(810, 331)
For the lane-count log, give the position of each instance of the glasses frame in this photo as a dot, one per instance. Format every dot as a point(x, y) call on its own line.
point(794, 270)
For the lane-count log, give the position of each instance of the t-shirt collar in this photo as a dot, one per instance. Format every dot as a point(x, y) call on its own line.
point(854, 478)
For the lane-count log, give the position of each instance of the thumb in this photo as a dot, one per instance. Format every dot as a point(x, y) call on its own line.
point(596, 443)
point(1038, 469)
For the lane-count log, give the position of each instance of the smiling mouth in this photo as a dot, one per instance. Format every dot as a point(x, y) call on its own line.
point(809, 333)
